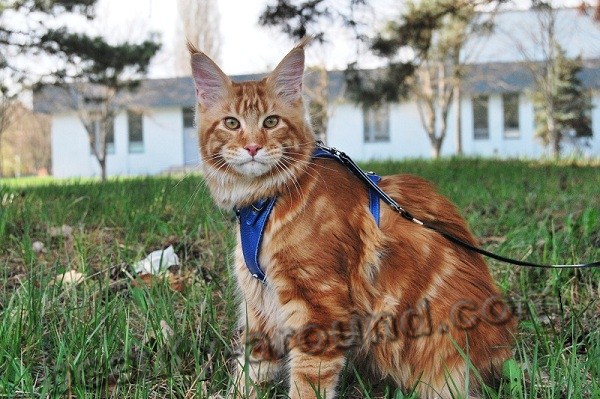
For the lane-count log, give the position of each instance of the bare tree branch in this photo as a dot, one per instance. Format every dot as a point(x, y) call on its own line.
point(199, 24)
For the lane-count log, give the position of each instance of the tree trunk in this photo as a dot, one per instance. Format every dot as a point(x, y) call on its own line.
point(555, 144)
point(553, 134)
point(102, 163)
point(436, 147)
point(458, 122)
point(1, 165)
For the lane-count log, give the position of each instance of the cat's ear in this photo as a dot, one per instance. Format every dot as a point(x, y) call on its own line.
point(211, 82)
point(286, 78)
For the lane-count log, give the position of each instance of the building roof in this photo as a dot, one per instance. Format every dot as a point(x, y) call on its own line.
point(153, 93)
point(158, 93)
point(179, 92)
point(503, 77)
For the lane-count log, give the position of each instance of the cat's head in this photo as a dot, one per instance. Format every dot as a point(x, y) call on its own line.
point(254, 136)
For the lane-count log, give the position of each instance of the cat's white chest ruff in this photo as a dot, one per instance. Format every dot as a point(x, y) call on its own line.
point(253, 291)
point(271, 308)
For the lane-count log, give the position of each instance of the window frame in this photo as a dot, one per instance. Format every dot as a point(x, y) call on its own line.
point(135, 120)
point(376, 124)
point(188, 114)
point(481, 133)
point(511, 131)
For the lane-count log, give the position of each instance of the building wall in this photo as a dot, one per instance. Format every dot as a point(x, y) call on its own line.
point(163, 146)
point(408, 138)
point(497, 144)
point(164, 143)
point(70, 148)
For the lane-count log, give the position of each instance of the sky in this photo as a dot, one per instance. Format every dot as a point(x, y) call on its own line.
point(246, 46)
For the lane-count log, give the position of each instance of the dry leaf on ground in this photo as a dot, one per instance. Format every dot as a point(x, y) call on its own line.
point(65, 231)
point(70, 277)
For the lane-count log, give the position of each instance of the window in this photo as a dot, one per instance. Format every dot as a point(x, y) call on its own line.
point(376, 124)
point(110, 137)
point(189, 117)
point(481, 129)
point(135, 128)
point(510, 102)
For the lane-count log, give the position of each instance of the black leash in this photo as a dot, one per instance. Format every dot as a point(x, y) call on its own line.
point(350, 164)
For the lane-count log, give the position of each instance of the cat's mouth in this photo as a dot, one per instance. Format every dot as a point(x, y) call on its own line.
point(253, 167)
point(252, 160)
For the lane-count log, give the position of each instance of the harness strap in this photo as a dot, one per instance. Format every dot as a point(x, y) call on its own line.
point(252, 221)
point(373, 179)
point(253, 218)
point(350, 164)
point(374, 197)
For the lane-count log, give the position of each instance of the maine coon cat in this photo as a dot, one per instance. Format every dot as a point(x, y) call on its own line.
point(412, 307)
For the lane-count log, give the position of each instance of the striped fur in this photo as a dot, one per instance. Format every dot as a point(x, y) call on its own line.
point(404, 301)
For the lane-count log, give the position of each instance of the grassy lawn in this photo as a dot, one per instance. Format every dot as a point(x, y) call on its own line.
point(110, 334)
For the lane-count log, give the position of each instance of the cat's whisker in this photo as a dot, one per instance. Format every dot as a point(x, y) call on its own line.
point(280, 168)
point(194, 195)
point(185, 175)
point(294, 180)
point(299, 145)
point(291, 176)
point(213, 170)
point(310, 165)
point(307, 168)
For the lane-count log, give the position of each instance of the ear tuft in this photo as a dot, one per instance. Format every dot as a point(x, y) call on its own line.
point(210, 81)
point(286, 78)
point(191, 48)
point(305, 41)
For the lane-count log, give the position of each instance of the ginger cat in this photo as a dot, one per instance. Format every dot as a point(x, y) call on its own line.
point(406, 303)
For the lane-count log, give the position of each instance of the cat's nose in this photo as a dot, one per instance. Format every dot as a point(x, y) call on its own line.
point(252, 149)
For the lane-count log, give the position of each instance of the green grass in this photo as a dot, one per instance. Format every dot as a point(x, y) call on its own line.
point(116, 336)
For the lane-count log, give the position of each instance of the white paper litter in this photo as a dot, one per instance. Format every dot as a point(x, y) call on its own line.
point(157, 261)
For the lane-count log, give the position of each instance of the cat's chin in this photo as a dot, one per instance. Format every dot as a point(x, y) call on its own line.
point(234, 189)
point(241, 182)
point(252, 169)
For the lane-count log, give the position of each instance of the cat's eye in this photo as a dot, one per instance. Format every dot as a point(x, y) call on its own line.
point(271, 121)
point(231, 123)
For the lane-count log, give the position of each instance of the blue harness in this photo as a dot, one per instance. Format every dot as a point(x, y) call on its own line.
point(253, 219)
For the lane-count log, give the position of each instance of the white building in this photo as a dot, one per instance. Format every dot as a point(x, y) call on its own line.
point(155, 135)
point(497, 116)
point(497, 119)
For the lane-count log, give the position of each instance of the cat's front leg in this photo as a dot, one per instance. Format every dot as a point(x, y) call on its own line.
point(317, 350)
point(258, 362)
point(314, 375)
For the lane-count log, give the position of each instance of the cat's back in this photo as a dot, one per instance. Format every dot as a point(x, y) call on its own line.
point(422, 200)
point(417, 254)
